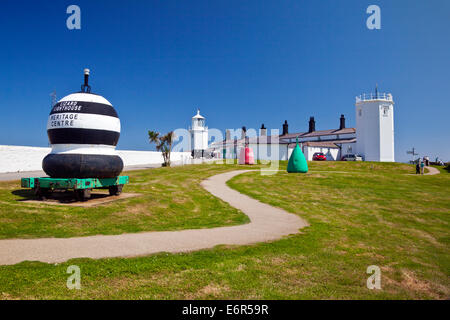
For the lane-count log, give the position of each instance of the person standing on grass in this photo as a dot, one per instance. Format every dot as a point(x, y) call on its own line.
point(417, 168)
point(422, 166)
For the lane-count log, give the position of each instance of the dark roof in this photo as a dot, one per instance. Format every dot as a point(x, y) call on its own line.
point(325, 144)
point(318, 133)
point(267, 139)
point(284, 139)
point(329, 132)
point(293, 135)
point(345, 131)
point(253, 140)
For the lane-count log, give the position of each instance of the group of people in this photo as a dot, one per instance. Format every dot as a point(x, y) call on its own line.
point(439, 162)
point(421, 163)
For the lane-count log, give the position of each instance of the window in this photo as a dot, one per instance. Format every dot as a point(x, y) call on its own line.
point(385, 111)
point(360, 112)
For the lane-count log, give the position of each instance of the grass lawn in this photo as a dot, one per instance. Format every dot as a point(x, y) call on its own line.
point(360, 214)
point(171, 199)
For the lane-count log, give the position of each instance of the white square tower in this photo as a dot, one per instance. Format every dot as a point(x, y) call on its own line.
point(375, 126)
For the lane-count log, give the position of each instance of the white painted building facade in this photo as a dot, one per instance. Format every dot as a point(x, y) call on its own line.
point(332, 153)
point(373, 137)
point(375, 127)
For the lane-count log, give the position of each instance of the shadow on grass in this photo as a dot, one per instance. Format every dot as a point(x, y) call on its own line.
point(447, 168)
point(55, 196)
point(25, 194)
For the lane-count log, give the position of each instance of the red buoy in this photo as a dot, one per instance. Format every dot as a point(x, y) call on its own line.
point(246, 156)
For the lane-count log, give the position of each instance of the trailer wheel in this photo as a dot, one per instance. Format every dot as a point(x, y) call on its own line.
point(83, 194)
point(115, 190)
point(42, 193)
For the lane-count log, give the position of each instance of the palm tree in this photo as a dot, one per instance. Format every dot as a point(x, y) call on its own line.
point(163, 144)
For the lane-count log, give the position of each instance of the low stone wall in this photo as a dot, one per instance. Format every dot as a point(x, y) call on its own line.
point(20, 158)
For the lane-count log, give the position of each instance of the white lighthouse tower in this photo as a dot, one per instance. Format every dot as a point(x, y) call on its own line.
point(199, 135)
point(375, 126)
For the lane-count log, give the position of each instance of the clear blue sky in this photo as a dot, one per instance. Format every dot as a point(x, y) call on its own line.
point(240, 62)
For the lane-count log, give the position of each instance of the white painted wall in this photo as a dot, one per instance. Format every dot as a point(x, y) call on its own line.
point(348, 148)
point(131, 158)
point(18, 158)
point(269, 151)
point(332, 154)
point(387, 133)
point(375, 130)
point(368, 130)
point(21, 158)
point(199, 138)
point(260, 151)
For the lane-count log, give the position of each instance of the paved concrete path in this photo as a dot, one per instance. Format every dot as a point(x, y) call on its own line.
point(267, 223)
point(432, 171)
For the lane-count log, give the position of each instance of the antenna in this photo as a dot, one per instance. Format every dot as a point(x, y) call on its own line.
point(86, 87)
point(53, 95)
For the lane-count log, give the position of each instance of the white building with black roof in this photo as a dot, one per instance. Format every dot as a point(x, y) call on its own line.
point(373, 137)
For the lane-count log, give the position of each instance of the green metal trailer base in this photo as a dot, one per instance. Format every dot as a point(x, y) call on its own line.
point(82, 187)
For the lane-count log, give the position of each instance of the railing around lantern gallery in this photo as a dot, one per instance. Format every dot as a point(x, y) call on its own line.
point(374, 96)
point(196, 127)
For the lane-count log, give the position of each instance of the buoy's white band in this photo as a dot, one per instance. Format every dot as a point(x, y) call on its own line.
point(87, 97)
point(69, 120)
point(83, 149)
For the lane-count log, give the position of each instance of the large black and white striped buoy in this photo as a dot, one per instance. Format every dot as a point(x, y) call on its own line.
point(83, 129)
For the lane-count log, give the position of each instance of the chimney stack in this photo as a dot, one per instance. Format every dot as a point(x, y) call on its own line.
point(312, 124)
point(285, 128)
point(244, 131)
point(342, 122)
point(227, 134)
point(263, 131)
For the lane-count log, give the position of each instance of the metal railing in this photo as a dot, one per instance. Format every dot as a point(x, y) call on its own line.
point(374, 96)
point(190, 128)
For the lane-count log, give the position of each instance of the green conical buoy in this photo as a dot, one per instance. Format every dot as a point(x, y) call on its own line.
point(297, 162)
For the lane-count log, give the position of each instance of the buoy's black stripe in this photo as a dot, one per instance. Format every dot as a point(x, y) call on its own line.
point(83, 136)
point(84, 107)
point(82, 165)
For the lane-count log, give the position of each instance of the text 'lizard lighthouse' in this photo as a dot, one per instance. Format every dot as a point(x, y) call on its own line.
point(83, 129)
